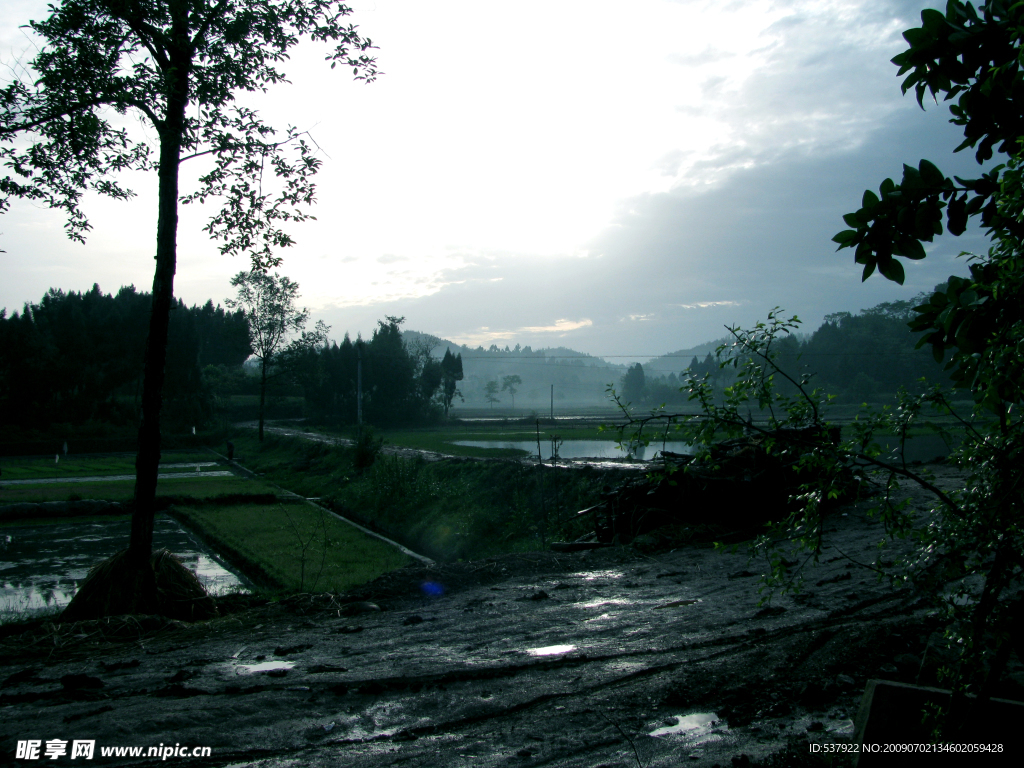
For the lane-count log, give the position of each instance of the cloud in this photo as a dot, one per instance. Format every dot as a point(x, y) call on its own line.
point(390, 258)
point(706, 304)
point(484, 335)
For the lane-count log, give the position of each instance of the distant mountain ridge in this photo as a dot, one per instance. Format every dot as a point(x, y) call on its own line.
point(676, 362)
point(577, 377)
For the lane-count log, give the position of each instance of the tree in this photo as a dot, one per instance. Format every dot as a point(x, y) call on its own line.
point(451, 375)
point(269, 305)
point(974, 541)
point(510, 383)
point(633, 384)
point(491, 392)
point(969, 546)
point(178, 65)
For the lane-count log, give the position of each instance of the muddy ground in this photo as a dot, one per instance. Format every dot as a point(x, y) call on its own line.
point(617, 657)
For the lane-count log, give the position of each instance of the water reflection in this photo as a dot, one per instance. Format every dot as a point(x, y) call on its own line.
point(551, 650)
point(698, 728)
point(920, 448)
point(265, 666)
point(41, 565)
point(581, 449)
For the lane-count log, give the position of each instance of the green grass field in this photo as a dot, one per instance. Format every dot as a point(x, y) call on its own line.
point(442, 438)
point(120, 465)
point(122, 490)
point(299, 546)
point(447, 510)
point(87, 465)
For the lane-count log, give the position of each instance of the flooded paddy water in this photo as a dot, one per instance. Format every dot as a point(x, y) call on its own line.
point(41, 565)
point(921, 448)
point(582, 449)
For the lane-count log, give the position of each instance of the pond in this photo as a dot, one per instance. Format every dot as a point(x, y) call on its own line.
point(922, 448)
point(580, 449)
point(41, 565)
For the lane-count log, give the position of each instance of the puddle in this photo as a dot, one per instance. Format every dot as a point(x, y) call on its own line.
point(263, 666)
point(841, 728)
point(593, 575)
point(698, 728)
point(602, 603)
point(551, 650)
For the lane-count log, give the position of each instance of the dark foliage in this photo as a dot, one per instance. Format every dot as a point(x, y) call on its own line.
point(77, 357)
point(399, 384)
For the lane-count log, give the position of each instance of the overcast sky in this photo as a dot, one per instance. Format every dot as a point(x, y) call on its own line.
point(620, 178)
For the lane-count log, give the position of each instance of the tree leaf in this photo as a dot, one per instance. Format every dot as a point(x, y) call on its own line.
point(932, 21)
point(892, 270)
point(930, 174)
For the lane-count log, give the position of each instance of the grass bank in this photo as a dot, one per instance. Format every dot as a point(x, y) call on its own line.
point(447, 510)
point(294, 547)
point(122, 490)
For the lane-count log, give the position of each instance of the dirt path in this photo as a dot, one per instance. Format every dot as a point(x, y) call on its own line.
point(602, 658)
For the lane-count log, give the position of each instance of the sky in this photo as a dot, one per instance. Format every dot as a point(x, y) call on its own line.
point(624, 179)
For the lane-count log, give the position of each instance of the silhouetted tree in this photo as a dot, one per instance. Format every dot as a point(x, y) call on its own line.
point(491, 392)
point(510, 383)
point(269, 304)
point(451, 375)
point(633, 385)
point(177, 65)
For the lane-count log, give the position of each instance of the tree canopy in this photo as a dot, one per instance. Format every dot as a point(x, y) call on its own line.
point(179, 66)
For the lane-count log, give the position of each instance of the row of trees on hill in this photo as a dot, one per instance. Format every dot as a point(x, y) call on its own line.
point(401, 383)
point(76, 357)
point(861, 357)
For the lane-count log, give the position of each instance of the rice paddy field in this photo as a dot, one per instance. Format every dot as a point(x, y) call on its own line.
point(111, 477)
point(227, 515)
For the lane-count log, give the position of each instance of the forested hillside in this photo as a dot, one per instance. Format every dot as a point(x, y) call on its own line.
point(77, 357)
point(863, 357)
point(578, 378)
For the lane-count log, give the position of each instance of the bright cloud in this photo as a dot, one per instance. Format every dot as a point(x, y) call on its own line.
point(706, 304)
point(617, 162)
point(485, 336)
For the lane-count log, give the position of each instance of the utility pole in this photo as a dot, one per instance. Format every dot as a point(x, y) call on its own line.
point(359, 389)
point(552, 402)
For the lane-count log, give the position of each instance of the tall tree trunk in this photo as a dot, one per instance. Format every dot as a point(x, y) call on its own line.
point(263, 392)
point(147, 462)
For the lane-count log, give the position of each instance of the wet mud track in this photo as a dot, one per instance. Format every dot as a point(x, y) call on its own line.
point(609, 657)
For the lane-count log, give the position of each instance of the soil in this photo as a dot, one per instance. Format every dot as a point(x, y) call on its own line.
point(621, 656)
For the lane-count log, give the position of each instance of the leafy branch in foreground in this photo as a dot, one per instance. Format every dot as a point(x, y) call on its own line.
point(968, 543)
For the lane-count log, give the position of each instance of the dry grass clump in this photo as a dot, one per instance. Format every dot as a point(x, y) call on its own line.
point(119, 586)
